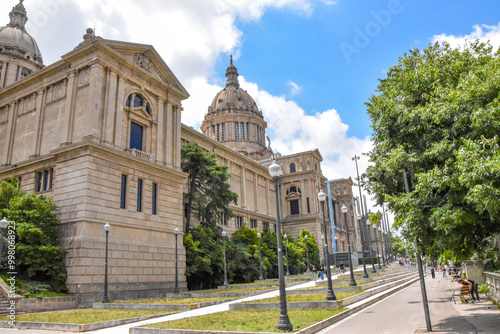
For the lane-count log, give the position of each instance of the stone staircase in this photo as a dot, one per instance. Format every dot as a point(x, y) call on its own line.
point(4, 304)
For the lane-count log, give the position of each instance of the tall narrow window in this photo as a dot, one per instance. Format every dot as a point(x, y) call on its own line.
point(242, 130)
point(136, 132)
point(39, 180)
point(292, 168)
point(218, 132)
point(1, 66)
point(236, 130)
point(223, 131)
point(294, 207)
point(123, 195)
point(248, 136)
point(308, 206)
point(139, 195)
point(154, 199)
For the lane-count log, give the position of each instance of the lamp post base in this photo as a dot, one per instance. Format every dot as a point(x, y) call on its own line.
point(330, 295)
point(284, 323)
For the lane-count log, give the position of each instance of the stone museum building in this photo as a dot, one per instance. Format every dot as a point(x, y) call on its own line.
point(100, 132)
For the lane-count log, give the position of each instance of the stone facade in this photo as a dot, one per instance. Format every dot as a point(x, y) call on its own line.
point(100, 132)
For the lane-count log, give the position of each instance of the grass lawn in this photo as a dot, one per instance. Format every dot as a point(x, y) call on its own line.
point(307, 297)
point(181, 300)
point(233, 290)
point(250, 320)
point(86, 316)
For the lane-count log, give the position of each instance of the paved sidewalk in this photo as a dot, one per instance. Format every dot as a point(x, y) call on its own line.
point(403, 313)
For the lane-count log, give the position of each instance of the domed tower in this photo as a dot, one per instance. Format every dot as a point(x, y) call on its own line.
point(19, 53)
point(234, 119)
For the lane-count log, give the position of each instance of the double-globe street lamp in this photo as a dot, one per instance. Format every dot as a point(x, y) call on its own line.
point(307, 255)
point(225, 269)
point(260, 259)
point(176, 288)
point(382, 245)
point(352, 282)
point(286, 252)
point(330, 295)
point(284, 323)
point(105, 298)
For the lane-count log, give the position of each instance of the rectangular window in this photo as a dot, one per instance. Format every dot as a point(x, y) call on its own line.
point(123, 194)
point(223, 131)
point(43, 180)
point(154, 199)
point(236, 130)
point(308, 206)
point(248, 135)
point(265, 225)
point(139, 195)
point(1, 66)
point(218, 132)
point(25, 72)
point(242, 126)
point(253, 223)
point(136, 132)
point(294, 207)
point(239, 221)
point(213, 131)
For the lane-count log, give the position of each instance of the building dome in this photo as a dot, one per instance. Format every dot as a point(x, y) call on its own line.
point(234, 119)
point(233, 99)
point(15, 41)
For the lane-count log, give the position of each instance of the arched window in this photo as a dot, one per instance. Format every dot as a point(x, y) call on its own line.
point(292, 168)
point(140, 121)
point(293, 195)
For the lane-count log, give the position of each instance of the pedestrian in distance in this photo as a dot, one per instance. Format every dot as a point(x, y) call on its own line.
point(322, 272)
point(444, 271)
point(433, 274)
point(472, 288)
point(342, 268)
point(315, 271)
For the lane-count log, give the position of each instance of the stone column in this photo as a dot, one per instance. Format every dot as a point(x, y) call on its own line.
point(39, 120)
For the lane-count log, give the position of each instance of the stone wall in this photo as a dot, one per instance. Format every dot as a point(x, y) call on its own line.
point(31, 305)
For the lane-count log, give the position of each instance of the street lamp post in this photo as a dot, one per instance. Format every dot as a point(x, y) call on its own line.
point(352, 282)
point(105, 298)
point(3, 224)
point(371, 246)
point(284, 323)
point(363, 241)
point(330, 295)
point(307, 255)
point(382, 245)
point(176, 288)
point(260, 259)
point(286, 252)
point(225, 269)
point(362, 226)
point(376, 245)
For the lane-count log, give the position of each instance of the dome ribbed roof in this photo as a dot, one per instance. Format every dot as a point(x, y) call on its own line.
point(14, 38)
point(233, 99)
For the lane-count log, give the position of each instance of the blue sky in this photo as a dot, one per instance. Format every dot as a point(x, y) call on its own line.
point(309, 64)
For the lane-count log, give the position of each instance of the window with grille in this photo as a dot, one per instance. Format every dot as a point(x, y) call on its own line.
point(44, 180)
point(236, 130)
point(253, 223)
point(139, 195)
point(123, 194)
point(154, 199)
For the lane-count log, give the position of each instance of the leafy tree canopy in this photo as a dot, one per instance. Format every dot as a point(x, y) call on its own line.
point(208, 193)
point(37, 228)
point(437, 116)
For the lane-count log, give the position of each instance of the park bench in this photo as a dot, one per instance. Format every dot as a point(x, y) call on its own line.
point(463, 293)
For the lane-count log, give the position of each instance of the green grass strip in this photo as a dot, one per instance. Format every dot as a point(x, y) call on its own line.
point(250, 320)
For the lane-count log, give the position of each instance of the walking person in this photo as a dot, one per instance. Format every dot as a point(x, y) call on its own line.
point(433, 274)
point(314, 271)
point(342, 268)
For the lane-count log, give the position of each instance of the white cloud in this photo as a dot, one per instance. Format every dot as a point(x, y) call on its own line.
point(482, 32)
point(294, 88)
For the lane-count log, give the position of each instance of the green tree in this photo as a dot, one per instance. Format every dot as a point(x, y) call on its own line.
point(243, 264)
point(204, 257)
point(208, 193)
point(437, 116)
point(37, 228)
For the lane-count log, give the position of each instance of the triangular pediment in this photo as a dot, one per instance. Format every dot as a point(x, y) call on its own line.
point(145, 58)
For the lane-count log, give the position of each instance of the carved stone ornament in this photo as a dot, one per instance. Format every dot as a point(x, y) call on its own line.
point(4, 115)
point(144, 61)
point(84, 76)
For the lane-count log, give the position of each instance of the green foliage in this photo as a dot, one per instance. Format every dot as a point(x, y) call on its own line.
point(208, 193)
point(37, 228)
point(204, 257)
point(484, 288)
point(437, 116)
